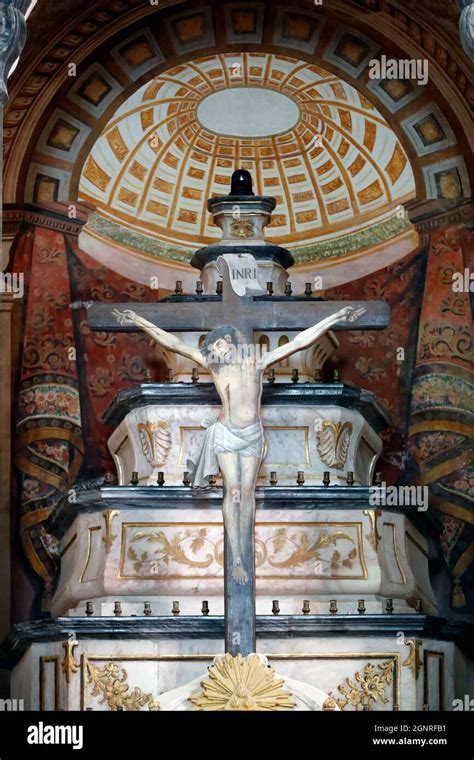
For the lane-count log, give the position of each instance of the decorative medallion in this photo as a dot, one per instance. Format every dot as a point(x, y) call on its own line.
point(242, 229)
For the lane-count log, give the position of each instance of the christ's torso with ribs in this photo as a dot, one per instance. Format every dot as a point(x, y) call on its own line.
point(239, 386)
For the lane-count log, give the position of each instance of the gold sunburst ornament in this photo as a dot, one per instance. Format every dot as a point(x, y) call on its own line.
point(240, 684)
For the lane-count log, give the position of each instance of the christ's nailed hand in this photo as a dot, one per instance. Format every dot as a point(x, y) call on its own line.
point(351, 313)
point(125, 317)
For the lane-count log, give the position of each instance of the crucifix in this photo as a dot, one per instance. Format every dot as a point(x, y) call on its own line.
point(234, 443)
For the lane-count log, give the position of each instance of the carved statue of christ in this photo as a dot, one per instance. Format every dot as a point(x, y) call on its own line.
point(234, 443)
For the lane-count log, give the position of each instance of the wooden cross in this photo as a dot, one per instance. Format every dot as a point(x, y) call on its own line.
point(248, 314)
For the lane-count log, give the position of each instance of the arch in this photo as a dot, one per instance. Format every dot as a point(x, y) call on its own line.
point(338, 42)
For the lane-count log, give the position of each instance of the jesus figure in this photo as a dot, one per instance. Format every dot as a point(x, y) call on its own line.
point(234, 443)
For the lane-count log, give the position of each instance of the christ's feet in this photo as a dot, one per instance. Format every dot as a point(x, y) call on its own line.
point(238, 573)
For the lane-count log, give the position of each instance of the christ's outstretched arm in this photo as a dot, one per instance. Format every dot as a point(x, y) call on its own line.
point(307, 337)
point(165, 339)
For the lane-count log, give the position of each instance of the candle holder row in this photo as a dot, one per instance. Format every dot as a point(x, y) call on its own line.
point(273, 480)
point(306, 610)
point(178, 289)
point(270, 375)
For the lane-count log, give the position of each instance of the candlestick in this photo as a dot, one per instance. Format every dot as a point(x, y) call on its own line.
point(305, 609)
point(276, 607)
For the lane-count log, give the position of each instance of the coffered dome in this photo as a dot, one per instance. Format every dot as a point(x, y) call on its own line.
point(308, 138)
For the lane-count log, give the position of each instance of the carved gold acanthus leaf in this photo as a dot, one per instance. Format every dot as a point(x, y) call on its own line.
point(155, 439)
point(110, 682)
point(413, 661)
point(69, 665)
point(108, 537)
point(374, 536)
point(242, 683)
point(333, 443)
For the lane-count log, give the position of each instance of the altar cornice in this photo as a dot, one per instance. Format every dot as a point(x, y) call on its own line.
point(317, 394)
point(414, 625)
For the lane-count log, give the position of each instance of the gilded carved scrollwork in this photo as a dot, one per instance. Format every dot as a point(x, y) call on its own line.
point(284, 549)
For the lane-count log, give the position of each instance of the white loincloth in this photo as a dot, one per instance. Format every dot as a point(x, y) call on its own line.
point(247, 441)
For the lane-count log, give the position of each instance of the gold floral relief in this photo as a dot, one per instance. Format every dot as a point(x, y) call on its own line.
point(367, 688)
point(110, 684)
